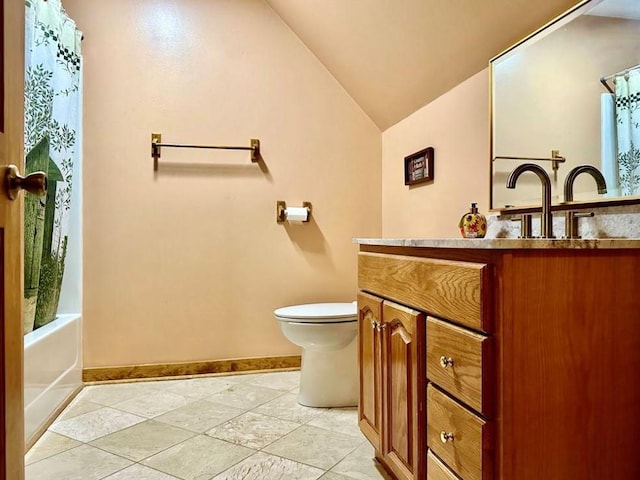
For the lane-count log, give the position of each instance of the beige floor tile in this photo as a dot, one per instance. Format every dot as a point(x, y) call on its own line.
point(96, 424)
point(360, 465)
point(142, 440)
point(277, 380)
point(78, 408)
point(286, 407)
point(262, 466)
point(199, 416)
point(80, 463)
point(253, 430)
point(332, 476)
point(199, 458)
point(140, 472)
point(244, 396)
point(197, 387)
point(343, 420)
point(154, 403)
point(314, 446)
point(47, 445)
point(110, 394)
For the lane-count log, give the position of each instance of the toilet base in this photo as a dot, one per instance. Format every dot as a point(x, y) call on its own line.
point(329, 378)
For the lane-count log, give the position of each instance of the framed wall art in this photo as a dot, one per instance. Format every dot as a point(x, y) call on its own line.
point(418, 167)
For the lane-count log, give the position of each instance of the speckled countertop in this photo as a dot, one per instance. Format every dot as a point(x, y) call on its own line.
point(500, 243)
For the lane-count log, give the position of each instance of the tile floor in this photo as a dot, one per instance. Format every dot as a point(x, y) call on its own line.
point(207, 428)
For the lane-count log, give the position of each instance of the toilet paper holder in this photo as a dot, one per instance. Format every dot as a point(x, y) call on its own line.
point(281, 211)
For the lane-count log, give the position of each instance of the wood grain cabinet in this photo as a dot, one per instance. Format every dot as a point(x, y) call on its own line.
point(512, 364)
point(391, 376)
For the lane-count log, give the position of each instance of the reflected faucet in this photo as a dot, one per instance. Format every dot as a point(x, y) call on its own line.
point(571, 178)
point(571, 218)
point(546, 220)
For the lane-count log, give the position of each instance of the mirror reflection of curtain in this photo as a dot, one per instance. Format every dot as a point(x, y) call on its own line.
point(628, 132)
point(52, 144)
point(609, 144)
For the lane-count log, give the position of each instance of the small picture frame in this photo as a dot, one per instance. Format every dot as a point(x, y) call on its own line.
point(418, 167)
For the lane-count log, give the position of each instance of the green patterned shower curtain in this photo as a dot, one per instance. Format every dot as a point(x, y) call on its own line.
point(52, 144)
point(628, 131)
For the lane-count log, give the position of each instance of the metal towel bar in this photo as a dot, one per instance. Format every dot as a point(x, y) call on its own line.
point(156, 146)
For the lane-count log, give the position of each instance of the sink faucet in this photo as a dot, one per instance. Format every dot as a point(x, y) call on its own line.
point(571, 178)
point(546, 220)
point(571, 218)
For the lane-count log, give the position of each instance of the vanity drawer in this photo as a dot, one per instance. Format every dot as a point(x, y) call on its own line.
point(436, 470)
point(459, 361)
point(447, 289)
point(468, 450)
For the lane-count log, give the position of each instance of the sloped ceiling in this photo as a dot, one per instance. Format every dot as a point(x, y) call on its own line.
point(395, 56)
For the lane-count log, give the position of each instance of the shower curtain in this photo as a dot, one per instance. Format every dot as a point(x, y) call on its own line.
point(51, 139)
point(628, 132)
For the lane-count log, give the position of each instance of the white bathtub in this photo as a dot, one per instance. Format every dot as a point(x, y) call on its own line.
point(52, 369)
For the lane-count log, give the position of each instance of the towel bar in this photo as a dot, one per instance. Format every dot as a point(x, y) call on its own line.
point(156, 146)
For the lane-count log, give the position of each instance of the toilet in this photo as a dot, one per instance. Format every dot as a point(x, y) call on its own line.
point(327, 334)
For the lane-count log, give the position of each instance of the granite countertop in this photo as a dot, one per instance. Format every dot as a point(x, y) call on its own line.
point(501, 243)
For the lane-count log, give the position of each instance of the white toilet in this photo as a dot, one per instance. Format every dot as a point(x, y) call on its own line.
point(327, 334)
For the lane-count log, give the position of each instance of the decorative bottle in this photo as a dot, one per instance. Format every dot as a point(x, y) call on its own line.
point(473, 224)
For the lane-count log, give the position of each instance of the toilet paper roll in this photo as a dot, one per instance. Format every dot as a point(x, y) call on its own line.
point(297, 214)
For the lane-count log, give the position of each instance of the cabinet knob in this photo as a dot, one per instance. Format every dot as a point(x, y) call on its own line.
point(446, 362)
point(446, 437)
point(374, 324)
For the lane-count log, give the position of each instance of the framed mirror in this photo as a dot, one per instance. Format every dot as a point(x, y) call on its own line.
point(570, 92)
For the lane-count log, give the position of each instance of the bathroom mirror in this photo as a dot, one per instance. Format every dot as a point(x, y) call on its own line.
point(556, 91)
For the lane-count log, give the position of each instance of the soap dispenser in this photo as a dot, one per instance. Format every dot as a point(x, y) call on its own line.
point(473, 224)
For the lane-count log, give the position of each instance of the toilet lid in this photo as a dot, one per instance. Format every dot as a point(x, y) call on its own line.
point(318, 313)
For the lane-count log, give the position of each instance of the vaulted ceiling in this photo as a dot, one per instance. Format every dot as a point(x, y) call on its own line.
point(395, 56)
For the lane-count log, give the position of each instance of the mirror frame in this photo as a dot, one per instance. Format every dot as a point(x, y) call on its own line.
point(567, 16)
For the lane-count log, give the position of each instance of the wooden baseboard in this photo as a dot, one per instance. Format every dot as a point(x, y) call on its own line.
point(102, 374)
point(50, 419)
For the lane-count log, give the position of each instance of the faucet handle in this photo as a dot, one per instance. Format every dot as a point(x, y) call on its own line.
point(525, 225)
point(571, 228)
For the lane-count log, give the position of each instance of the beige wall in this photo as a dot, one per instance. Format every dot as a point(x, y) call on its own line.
point(456, 125)
point(189, 263)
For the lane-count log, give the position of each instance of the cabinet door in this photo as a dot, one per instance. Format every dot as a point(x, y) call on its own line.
point(369, 358)
point(403, 370)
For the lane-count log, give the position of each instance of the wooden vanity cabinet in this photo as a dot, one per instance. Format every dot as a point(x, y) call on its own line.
point(391, 406)
point(527, 362)
point(370, 367)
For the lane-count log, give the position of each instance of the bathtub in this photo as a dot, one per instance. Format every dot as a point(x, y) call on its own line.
point(52, 371)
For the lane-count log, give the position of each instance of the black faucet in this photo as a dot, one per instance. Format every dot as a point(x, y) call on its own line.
point(546, 220)
point(571, 218)
point(571, 177)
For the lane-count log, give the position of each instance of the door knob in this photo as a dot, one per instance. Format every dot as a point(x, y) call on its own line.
point(35, 182)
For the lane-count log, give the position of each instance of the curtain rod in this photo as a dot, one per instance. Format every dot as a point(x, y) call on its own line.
point(604, 80)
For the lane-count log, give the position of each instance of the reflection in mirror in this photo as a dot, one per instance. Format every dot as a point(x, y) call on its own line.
point(572, 90)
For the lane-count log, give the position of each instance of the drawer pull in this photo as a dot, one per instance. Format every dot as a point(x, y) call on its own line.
point(446, 362)
point(446, 437)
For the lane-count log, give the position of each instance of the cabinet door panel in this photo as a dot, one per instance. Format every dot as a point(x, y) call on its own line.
point(369, 358)
point(403, 376)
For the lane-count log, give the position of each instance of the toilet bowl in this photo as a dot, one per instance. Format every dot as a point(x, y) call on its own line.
point(327, 334)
